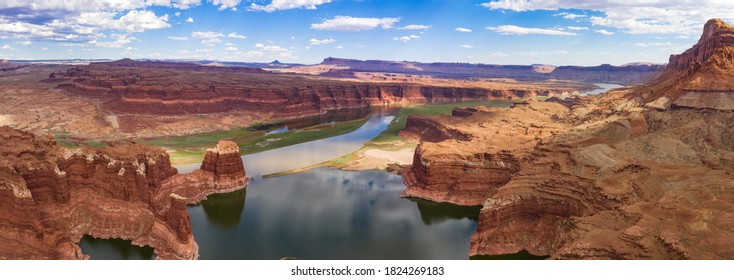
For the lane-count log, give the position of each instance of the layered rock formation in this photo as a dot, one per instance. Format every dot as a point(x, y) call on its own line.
point(129, 87)
point(222, 171)
point(52, 197)
point(603, 177)
point(701, 76)
point(625, 75)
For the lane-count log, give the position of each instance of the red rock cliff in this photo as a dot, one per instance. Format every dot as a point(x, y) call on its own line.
point(181, 90)
point(51, 197)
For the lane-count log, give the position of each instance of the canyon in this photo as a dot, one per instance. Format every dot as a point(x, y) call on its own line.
point(642, 172)
point(129, 99)
point(52, 197)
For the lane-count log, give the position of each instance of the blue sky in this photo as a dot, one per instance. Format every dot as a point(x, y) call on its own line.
point(554, 32)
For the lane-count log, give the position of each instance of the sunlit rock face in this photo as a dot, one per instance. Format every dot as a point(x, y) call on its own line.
point(52, 197)
point(613, 176)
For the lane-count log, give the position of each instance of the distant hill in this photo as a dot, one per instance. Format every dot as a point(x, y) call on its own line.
point(626, 75)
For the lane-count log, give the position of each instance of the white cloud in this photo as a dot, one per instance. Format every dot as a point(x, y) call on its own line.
point(189, 20)
point(207, 38)
point(44, 49)
point(253, 54)
point(177, 14)
point(26, 43)
point(226, 4)
point(635, 17)
point(467, 46)
point(570, 15)
point(315, 41)
point(183, 4)
point(517, 30)
point(577, 28)
point(604, 32)
point(347, 23)
point(6, 47)
point(230, 49)
point(119, 42)
point(276, 5)
point(340, 47)
point(414, 27)
point(462, 29)
point(177, 38)
point(406, 39)
point(236, 36)
point(275, 50)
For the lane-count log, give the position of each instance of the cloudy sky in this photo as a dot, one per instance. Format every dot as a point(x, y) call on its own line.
point(572, 32)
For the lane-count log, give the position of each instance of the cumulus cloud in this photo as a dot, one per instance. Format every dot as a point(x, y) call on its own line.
point(467, 46)
point(414, 27)
point(275, 50)
point(189, 20)
point(207, 38)
point(230, 49)
point(6, 47)
point(120, 41)
point(82, 26)
point(604, 32)
point(315, 41)
point(177, 38)
point(347, 23)
point(406, 39)
point(462, 29)
point(276, 5)
point(635, 17)
point(236, 36)
point(226, 4)
point(517, 30)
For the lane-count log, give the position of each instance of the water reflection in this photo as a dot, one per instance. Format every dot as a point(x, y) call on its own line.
point(114, 249)
point(331, 214)
point(522, 255)
point(602, 88)
point(331, 116)
point(436, 212)
point(225, 211)
point(309, 153)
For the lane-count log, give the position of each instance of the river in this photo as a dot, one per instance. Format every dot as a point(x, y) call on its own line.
point(320, 213)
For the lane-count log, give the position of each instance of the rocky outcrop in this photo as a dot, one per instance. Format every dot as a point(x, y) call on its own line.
point(700, 76)
point(52, 197)
point(222, 171)
point(603, 177)
point(459, 161)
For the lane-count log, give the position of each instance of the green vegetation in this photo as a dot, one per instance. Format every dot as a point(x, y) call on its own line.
point(191, 148)
point(391, 133)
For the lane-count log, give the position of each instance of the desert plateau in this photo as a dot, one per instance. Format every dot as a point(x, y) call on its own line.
point(132, 133)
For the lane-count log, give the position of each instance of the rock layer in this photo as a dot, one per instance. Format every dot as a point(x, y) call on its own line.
point(52, 197)
point(130, 87)
point(603, 177)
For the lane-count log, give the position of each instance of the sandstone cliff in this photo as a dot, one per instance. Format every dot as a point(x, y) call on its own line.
point(52, 197)
point(128, 87)
point(701, 76)
point(602, 177)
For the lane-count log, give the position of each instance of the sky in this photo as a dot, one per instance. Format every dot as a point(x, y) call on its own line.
point(572, 32)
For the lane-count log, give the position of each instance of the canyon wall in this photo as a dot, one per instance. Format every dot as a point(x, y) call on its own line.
point(634, 173)
point(174, 89)
point(52, 197)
